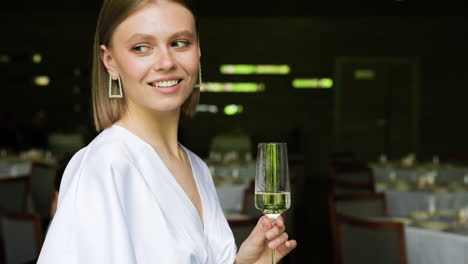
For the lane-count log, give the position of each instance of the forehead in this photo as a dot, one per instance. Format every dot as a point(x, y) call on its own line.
point(160, 19)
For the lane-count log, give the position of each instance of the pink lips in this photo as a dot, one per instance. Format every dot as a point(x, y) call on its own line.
point(167, 90)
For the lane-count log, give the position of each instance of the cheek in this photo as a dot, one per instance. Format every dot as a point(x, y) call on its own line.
point(191, 62)
point(132, 69)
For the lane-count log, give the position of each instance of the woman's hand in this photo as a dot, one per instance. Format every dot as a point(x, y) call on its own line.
point(265, 237)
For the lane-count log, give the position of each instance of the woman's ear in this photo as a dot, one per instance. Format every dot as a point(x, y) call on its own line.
point(108, 60)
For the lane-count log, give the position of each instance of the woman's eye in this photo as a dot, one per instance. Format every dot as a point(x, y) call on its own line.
point(180, 44)
point(141, 49)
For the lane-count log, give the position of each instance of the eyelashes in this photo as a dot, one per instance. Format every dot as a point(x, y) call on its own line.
point(144, 49)
point(141, 49)
point(180, 44)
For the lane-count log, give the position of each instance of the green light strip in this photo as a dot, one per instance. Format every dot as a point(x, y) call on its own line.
point(233, 109)
point(364, 74)
point(244, 87)
point(248, 69)
point(323, 83)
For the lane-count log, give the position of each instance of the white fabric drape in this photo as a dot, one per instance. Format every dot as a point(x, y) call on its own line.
point(119, 203)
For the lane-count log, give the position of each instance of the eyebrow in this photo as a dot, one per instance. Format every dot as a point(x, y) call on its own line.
point(149, 37)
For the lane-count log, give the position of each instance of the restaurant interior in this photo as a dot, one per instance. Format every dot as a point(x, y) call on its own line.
point(369, 99)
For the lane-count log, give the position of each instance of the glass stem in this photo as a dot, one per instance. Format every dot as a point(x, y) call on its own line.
point(273, 253)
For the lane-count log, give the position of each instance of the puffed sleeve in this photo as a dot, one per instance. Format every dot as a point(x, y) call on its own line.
point(90, 223)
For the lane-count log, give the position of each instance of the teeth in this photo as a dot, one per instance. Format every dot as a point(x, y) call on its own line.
point(166, 83)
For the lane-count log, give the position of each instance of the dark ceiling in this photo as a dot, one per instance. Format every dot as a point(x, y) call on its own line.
point(261, 7)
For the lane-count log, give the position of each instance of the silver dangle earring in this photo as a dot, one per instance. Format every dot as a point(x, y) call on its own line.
point(115, 77)
point(199, 82)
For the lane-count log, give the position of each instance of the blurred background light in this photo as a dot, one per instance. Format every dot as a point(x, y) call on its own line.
point(42, 80)
point(233, 109)
point(364, 74)
point(37, 58)
point(312, 83)
point(4, 58)
point(207, 108)
point(241, 87)
point(246, 69)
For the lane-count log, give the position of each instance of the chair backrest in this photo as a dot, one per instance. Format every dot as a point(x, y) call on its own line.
point(21, 236)
point(351, 177)
point(14, 192)
point(357, 205)
point(42, 188)
point(365, 241)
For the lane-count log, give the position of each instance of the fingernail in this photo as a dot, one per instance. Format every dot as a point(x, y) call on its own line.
point(271, 245)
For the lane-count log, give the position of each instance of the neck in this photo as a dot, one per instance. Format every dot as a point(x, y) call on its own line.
point(159, 129)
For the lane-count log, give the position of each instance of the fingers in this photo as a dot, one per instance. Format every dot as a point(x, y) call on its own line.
point(278, 241)
point(258, 234)
point(274, 232)
point(285, 248)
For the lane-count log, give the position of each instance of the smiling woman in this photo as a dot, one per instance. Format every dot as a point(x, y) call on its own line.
point(120, 33)
point(135, 194)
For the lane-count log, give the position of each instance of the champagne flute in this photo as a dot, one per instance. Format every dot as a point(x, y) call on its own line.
point(272, 192)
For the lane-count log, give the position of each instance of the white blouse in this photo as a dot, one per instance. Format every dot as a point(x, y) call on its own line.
point(119, 204)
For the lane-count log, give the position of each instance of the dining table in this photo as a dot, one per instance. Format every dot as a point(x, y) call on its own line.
point(432, 200)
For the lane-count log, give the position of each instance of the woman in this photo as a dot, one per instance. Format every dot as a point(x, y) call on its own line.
point(134, 194)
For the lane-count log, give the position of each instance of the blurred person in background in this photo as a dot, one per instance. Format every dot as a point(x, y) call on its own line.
point(134, 194)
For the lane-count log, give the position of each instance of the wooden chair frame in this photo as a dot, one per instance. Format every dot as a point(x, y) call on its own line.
point(371, 224)
point(332, 199)
point(350, 167)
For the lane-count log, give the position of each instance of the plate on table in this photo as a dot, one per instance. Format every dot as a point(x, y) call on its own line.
point(403, 220)
point(402, 186)
point(441, 190)
point(446, 212)
point(420, 215)
point(434, 225)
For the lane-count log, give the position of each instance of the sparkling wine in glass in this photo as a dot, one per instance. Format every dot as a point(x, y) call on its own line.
point(272, 191)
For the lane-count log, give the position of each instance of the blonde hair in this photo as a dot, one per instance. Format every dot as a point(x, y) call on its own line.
point(107, 111)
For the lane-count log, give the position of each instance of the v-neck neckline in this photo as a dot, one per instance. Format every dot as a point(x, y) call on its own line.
point(202, 218)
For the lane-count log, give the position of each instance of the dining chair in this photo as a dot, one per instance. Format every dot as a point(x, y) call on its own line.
point(14, 193)
point(356, 205)
point(351, 177)
point(21, 236)
point(367, 241)
point(42, 189)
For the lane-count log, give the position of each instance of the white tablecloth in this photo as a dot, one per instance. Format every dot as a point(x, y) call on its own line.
point(401, 203)
point(14, 168)
point(231, 197)
point(444, 174)
point(435, 247)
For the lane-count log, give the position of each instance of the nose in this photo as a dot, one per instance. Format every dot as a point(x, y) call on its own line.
point(165, 61)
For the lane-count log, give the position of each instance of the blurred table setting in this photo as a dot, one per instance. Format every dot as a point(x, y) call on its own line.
point(436, 236)
point(231, 175)
point(16, 165)
point(431, 198)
